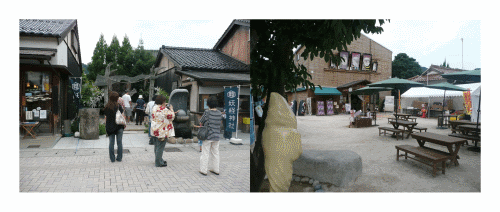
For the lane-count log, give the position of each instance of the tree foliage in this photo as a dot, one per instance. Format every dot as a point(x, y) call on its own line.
point(273, 70)
point(404, 67)
point(126, 60)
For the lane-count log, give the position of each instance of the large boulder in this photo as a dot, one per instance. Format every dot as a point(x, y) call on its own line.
point(338, 167)
point(89, 123)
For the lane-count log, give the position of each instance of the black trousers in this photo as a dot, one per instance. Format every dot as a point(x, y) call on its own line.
point(139, 116)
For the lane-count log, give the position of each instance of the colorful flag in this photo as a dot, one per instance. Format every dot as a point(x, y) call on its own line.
point(467, 102)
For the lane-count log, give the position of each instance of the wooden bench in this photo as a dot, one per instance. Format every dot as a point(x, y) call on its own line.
point(425, 156)
point(468, 137)
point(390, 119)
point(412, 119)
point(420, 129)
point(395, 131)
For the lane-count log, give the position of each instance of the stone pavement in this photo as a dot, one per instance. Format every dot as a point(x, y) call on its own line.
point(76, 165)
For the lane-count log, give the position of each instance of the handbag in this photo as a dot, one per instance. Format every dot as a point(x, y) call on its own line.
point(120, 120)
point(203, 132)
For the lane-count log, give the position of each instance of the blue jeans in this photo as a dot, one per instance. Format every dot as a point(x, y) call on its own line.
point(118, 136)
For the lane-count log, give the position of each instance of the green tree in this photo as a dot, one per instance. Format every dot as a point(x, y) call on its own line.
point(273, 70)
point(446, 65)
point(112, 53)
point(405, 67)
point(125, 57)
point(98, 63)
point(143, 61)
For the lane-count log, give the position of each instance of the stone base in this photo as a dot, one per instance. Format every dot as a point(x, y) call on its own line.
point(338, 167)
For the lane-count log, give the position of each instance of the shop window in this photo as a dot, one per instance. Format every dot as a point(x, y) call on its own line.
point(37, 94)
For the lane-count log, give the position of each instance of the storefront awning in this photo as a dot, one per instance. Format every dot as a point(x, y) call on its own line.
point(327, 91)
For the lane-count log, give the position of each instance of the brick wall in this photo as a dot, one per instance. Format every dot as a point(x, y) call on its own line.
point(323, 75)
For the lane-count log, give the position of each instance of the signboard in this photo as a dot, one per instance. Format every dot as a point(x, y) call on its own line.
point(367, 59)
point(308, 103)
point(344, 61)
point(231, 103)
point(347, 107)
point(76, 86)
point(355, 58)
point(389, 103)
point(321, 108)
point(329, 107)
point(467, 102)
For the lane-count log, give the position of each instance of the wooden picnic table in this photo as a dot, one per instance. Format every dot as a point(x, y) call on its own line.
point(446, 119)
point(472, 129)
point(452, 143)
point(407, 126)
point(402, 116)
point(454, 124)
point(29, 127)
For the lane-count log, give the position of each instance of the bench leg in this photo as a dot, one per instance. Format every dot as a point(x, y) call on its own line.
point(406, 155)
point(443, 165)
point(434, 169)
point(397, 155)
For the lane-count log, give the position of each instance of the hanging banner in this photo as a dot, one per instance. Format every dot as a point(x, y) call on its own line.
point(467, 102)
point(76, 86)
point(321, 108)
point(329, 108)
point(399, 100)
point(252, 134)
point(231, 105)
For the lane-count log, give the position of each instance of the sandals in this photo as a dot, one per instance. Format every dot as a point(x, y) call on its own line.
point(202, 173)
point(214, 172)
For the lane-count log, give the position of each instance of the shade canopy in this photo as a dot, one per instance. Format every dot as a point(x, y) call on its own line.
point(396, 83)
point(447, 87)
point(464, 76)
point(427, 92)
point(370, 90)
point(327, 91)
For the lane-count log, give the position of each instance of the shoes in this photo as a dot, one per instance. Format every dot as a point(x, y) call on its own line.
point(119, 160)
point(136, 124)
point(203, 173)
point(214, 172)
point(112, 161)
point(151, 143)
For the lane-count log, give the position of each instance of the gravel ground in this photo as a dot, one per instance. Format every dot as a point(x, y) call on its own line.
point(381, 171)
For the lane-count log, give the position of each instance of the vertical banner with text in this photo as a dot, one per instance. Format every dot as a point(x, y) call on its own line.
point(467, 102)
point(231, 106)
point(76, 87)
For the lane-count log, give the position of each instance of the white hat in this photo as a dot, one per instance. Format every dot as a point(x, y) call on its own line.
point(140, 96)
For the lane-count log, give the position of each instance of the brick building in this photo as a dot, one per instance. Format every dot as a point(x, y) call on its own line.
point(338, 80)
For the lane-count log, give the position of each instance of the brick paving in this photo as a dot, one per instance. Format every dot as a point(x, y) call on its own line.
point(75, 165)
point(92, 171)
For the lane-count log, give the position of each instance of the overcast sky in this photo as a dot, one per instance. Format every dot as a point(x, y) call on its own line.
point(430, 42)
point(155, 33)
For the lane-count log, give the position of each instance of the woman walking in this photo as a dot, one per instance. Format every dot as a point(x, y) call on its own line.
point(212, 119)
point(112, 129)
point(161, 124)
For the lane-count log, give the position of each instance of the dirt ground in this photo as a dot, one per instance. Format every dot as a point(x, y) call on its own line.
point(381, 171)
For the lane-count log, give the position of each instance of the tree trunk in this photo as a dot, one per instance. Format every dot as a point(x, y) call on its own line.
point(257, 170)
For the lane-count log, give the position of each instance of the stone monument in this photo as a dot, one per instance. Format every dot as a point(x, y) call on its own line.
point(89, 123)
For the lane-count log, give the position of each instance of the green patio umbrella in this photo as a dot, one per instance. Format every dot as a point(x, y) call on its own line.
point(464, 76)
point(467, 76)
point(370, 91)
point(446, 87)
point(398, 84)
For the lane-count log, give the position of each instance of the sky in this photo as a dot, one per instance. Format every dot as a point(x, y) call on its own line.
point(431, 42)
point(155, 33)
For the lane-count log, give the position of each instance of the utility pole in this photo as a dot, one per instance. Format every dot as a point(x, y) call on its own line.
point(462, 53)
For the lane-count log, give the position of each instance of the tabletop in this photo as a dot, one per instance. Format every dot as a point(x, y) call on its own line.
point(438, 139)
point(402, 114)
point(463, 122)
point(470, 127)
point(448, 115)
point(403, 122)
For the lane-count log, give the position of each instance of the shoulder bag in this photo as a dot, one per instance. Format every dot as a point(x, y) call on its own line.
point(203, 132)
point(120, 119)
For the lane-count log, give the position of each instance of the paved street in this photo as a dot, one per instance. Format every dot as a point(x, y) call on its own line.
point(75, 165)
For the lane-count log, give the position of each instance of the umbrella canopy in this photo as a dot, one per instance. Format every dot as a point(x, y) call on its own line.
point(447, 87)
point(398, 84)
point(370, 90)
point(464, 76)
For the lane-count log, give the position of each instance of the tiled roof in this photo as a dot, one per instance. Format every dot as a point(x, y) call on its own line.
point(204, 59)
point(347, 85)
point(45, 27)
point(434, 77)
point(217, 76)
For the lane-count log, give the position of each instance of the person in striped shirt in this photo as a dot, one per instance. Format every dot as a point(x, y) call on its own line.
point(212, 119)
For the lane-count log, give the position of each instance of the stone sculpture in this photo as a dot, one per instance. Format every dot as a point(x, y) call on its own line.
point(281, 143)
point(178, 99)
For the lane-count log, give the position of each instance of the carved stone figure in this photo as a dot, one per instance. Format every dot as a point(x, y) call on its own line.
point(281, 143)
point(178, 99)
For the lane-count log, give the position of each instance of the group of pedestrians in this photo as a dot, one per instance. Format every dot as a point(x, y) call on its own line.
point(161, 117)
point(126, 102)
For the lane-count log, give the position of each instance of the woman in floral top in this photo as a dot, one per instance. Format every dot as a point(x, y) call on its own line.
point(162, 128)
